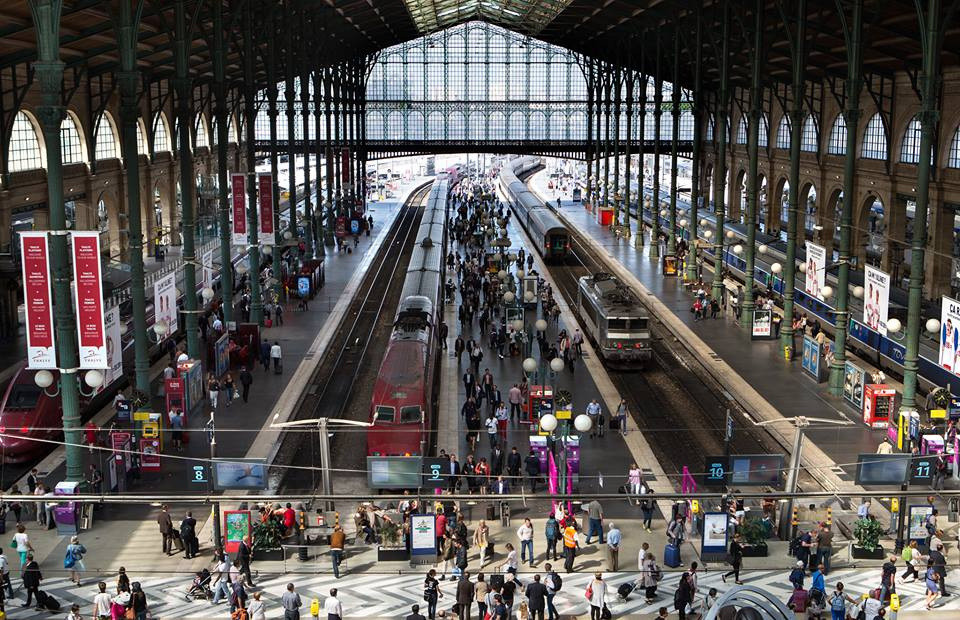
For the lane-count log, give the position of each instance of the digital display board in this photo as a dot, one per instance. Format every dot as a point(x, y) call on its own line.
point(239, 475)
point(921, 470)
point(890, 469)
point(755, 469)
point(715, 470)
point(394, 472)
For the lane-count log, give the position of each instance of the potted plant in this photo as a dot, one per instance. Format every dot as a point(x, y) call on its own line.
point(867, 532)
point(753, 532)
point(267, 537)
point(391, 547)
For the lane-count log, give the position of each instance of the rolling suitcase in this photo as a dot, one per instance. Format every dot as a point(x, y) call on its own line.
point(671, 556)
point(47, 602)
point(625, 590)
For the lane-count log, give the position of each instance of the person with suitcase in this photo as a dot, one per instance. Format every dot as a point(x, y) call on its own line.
point(31, 581)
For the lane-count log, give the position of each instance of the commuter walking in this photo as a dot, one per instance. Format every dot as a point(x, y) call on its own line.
point(597, 596)
point(932, 581)
point(73, 560)
point(736, 559)
point(291, 603)
point(532, 467)
point(465, 594)
point(166, 529)
point(213, 390)
point(257, 609)
point(276, 354)
point(244, 555)
point(622, 412)
point(536, 593)
point(31, 580)
point(570, 546)
point(480, 591)
point(246, 380)
point(554, 582)
point(431, 593)
point(650, 577)
point(824, 547)
point(102, 602)
point(551, 532)
point(614, 538)
point(337, 541)
point(515, 398)
point(911, 555)
point(5, 582)
point(525, 534)
point(940, 565)
point(332, 606)
point(595, 515)
point(481, 540)
point(22, 543)
point(594, 412)
point(838, 603)
point(675, 531)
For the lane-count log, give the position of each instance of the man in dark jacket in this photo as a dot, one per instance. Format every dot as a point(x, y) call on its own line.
point(246, 379)
point(465, 590)
point(265, 354)
point(532, 466)
point(940, 567)
point(458, 347)
point(416, 615)
point(31, 580)
point(513, 463)
point(245, 554)
point(188, 532)
point(166, 529)
point(537, 596)
point(469, 382)
point(496, 460)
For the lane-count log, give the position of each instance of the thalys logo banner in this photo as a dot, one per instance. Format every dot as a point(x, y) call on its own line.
point(38, 305)
point(238, 186)
point(91, 335)
point(265, 187)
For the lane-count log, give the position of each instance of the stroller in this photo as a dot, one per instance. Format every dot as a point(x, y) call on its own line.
point(200, 589)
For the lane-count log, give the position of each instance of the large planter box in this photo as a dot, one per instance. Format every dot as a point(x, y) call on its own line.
point(756, 551)
point(268, 555)
point(862, 554)
point(392, 554)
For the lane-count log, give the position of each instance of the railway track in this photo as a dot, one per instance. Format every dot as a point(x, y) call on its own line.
point(338, 382)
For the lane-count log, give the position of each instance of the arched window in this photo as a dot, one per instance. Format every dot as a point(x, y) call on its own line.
point(783, 133)
point(764, 140)
point(71, 147)
point(874, 145)
point(374, 126)
point(394, 126)
point(709, 136)
point(910, 146)
point(24, 151)
point(742, 131)
point(231, 131)
point(838, 137)
point(686, 125)
point(200, 131)
point(161, 141)
point(106, 138)
point(953, 160)
point(497, 127)
point(538, 126)
point(810, 137)
point(141, 139)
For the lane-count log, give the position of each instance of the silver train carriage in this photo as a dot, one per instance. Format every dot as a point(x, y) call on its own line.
point(615, 320)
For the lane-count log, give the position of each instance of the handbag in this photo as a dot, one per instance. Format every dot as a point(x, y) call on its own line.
point(13, 543)
point(589, 593)
point(605, 613)
point(129, 614)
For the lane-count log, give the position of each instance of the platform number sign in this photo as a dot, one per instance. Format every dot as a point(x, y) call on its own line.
point(716, 470)
point(921, 470)
point(434, 470)
point(199, 474)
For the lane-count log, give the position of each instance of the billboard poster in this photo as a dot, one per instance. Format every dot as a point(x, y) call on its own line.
point(854, 378)
point(222, 348)
point(423, 534)
point(114, 347)
point(236, 527)
point(811, 357)
point(876, 300)
point(265, 188)
point(762, 325)
point(715, 528)
point(239, 475)
point(816, 275)
point(917, 526)
point(91, 339)
point(165, 301)
point(949, 333)
point(37, 302)
point(238, 182)
point(208, 268)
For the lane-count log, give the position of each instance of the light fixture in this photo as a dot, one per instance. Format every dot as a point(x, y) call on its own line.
point(161, 327)
point(762, 249)
point(43, 379)
point(517, 325)
point(93, 378)
point(556, 364)
point(730, 234)
point(529, 297)
point(520, 274)
point(826, 291)
point(802, 268)
point(509, 297)
point(529, 365)
point(548, 422)
point(776, 267)
point(683, 223)
point(738, 249)
point(207, 294)
point(583, 423)
point(893, 326)
point(541, 325)
point(858, 292)
point(933, 326)
point(708, 233)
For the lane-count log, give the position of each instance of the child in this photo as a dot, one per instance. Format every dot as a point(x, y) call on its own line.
point(710, 600)
point(662, 613)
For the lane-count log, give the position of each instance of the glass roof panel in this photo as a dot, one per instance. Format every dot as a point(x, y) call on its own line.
point(527, 16)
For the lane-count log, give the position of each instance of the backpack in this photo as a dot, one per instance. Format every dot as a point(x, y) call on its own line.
point(656, 572)
point(557, 582)
point(69, 560)
point(551, 530)
point(907, 555)
point(837, 603)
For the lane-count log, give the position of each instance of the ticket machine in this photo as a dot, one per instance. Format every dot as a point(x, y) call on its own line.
point(878, 404)
point(66, 514)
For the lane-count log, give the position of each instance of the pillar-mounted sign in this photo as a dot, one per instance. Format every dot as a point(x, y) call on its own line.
point(38, 305)
point(345, 165)
point(265, 188)
point(91, 334)
point(238, 182)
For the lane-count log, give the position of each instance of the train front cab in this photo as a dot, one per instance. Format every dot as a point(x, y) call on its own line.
point(395, 433)
point(557, 243)
point(626, 341)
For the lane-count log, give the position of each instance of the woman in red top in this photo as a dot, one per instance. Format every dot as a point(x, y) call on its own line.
point(91, 434)
point(482, 473)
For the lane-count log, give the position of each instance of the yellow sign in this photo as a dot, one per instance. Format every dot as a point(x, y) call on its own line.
point(894, 602)
point(543, 433)
point(894, 505)
point(901, 430)
point(938, 414)
point(564, 414)
point(140, 416)
point(695, 506)
point(151, 430)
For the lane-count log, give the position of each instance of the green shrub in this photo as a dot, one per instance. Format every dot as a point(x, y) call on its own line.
point(867, 533)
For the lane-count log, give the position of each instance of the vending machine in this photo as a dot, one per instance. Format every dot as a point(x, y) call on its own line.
point(878, 404)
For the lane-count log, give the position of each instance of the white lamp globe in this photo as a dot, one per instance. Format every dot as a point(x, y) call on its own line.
point(762, 249)
point(123, 328)
point(663, 212)
point(43, 379)
point(242, 268)
point(161, 327)
point(894, 325)
point(703, 222)
point(582, 423)
point(858, 292)
point(518, 325)
point(498, 257)
point(548, 422)
point(826, 291)
point(776, 267)
point(266, 250)
point(502, 274)
point(93, 378)
point(933, 326)
point(541, 325)
point(529, 297)
point(287, 235)
point(708, 233)
point(730, 234)
point(509, 297)
point(513, 257)
point(738, 249)
point(802, 268)
point(520, 274)
point(529, 365)
point(682, 222)
point(207, 294)
point(556, 364)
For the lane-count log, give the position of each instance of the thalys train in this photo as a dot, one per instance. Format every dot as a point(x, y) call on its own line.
point(543, 226)
point(404, 404)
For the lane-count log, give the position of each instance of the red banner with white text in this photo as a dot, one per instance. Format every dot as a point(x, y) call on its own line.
point(37, 302)
point(238, 182)
point(345, 165)
point(265, 187)
point(91, 334)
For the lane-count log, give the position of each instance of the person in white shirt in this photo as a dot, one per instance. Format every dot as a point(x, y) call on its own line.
point(5, 574)
point(332, 606)
point(276, 354)
point(256, 608)
point(221, 585)
point(75, 613)
point(510, 565)
point(102, 603)
point(525, 534)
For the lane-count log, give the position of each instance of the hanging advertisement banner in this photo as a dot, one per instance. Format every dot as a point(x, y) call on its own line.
point(816, 276)
point(207, 261)
point(165, 301)
point(37, 302)
point(345, 165)
point(949, 333)
point(238, 182)
point(111, 324)
point(91, 337)
point(876, 300)
point(265, 188)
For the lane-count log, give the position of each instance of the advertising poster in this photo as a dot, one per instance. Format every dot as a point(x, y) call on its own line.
point(816, 275)
point(811, 357)
point(762, 326)
point(37, 302)
point(876, 299)
point(236, 527)
point(208, 268)
point(239, 196)
point(239, 475)
point(265, 189)
point(91, 339)
point(949, 333)
point(165, 301)
point(222, 348)
point(917, 525)
point(854, 379)
point(423, 534)
point(715, 526)
point(114, 347)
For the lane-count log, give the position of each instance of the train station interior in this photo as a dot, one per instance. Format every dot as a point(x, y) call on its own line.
point(291, 289)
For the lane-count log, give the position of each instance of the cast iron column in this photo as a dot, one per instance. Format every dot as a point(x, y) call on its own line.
point(720, 166)
point(631, 81)
point(307, 209)
point(250, 111)
point(853, 36)
point(753, 145)
point(223, 125)
point(184, 88)
point(290, 98)
point(272, 94)
point(657, 116)
point(698, 127)
point(675, 146)
point(129, 82)
point(317, 224)
point(596, 175)
point(329, 154)
point(796, 132)
point(617, 100)
point(49, 72)
point(929, 117)
point(608, 105)
point(641, 172)
point(588, 150)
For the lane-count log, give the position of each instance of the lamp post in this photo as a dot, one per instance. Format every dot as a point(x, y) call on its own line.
point(550, 423)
